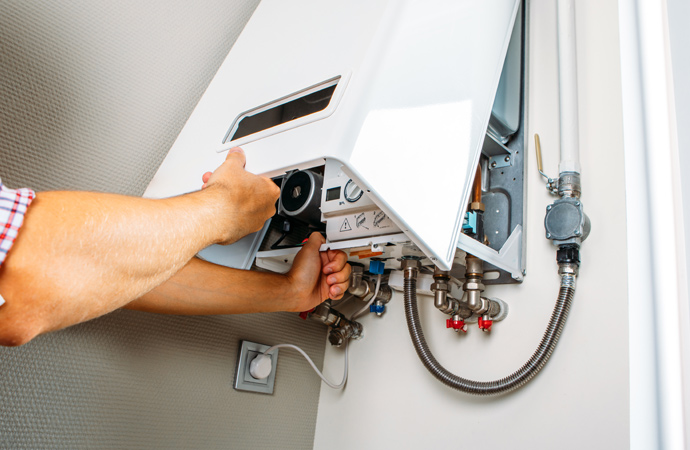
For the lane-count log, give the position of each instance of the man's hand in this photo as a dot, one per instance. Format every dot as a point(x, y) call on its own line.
point(317, 276)
point(248, 200)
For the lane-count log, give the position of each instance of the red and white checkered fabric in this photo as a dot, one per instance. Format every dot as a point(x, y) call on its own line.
point(13, 205)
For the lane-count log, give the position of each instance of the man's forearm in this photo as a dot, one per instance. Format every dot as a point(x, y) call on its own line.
point(204, 288)
point(80, 254)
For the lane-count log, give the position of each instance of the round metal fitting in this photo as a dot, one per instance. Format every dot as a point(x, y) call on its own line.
point(568, 269)
point(336, 338)
point(564, 220)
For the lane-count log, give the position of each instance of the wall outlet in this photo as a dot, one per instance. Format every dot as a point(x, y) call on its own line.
point(244, 381)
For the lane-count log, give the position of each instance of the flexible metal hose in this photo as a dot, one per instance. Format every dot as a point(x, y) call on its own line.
point(512, 381)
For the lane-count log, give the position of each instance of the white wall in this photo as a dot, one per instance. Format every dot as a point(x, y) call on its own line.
point(581, 398)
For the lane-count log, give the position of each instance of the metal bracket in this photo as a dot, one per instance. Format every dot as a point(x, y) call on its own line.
point(496, 162)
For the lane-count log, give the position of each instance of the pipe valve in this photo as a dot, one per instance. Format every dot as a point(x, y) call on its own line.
point(341, 328)
point(457, 324)
point(485, 323)
point(565, 222)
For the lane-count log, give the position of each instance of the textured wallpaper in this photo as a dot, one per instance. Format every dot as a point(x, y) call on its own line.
point(92, 96)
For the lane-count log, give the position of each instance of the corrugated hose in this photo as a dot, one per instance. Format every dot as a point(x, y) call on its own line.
point(503, 385)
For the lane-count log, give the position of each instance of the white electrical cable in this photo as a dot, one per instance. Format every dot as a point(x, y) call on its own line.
point(360, 311)
point(313, 366)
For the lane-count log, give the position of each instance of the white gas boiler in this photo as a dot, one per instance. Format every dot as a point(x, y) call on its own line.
point(372, 116)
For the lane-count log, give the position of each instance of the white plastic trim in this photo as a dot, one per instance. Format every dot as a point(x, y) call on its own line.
point(508, 258)
point(656, 378)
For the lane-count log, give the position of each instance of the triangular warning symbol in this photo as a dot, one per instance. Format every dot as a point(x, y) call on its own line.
point(345, 226)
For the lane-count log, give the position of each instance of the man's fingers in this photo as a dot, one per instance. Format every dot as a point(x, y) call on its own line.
point(338, 277)
point(315, 241)
point(333, 261)
point(204, 178)
point(337, 291)
point(275, 190)
point(325, 268)
point(236, 157)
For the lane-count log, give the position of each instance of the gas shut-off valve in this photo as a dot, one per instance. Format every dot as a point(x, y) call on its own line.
point(447, 304)
point(341, 328)
point(472, 303)
point(565, 223)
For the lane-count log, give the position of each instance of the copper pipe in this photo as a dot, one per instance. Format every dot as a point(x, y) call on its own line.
point(477, 186)
point(476, 203)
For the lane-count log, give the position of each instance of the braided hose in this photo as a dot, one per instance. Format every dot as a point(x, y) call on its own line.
point(512, 381)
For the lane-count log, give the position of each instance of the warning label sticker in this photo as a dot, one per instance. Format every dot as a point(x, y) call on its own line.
point(366, 223)
point(345, 226)
point(361, 220)
point(380, 220)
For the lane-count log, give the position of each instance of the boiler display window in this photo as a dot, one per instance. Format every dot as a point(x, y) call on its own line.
point(333, 194)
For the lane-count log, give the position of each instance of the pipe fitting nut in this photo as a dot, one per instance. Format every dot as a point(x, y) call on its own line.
point(568, 269)
point(410, 263)
point(440, 286)
point(410, 267)
point(473, 286)
point(493, 308)
point(477, 206)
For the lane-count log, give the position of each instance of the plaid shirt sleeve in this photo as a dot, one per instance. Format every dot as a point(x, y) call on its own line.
point(13, 205)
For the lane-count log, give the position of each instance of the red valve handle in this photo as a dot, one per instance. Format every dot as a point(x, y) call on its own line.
point(456, 324)
point(305, 314)
point(485, 324)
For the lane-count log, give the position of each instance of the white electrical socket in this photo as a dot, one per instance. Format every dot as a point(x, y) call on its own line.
point(244, 381)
